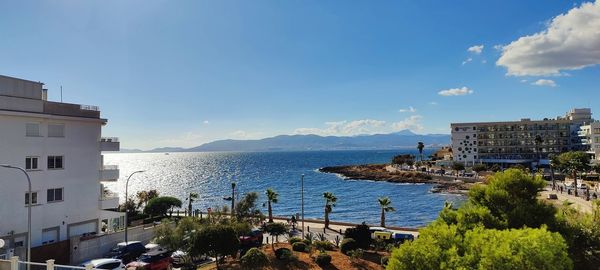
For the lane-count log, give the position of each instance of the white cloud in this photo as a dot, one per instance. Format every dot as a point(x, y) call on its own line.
point(523, 81)
point(570, 42)
point(410, 109)
point(467, 61)
point(242, 134)
point(206, 122)
point(498, 47)
point(476, 49)
point(433, 103)
point(456, 91)
point(365, 126)
point(483, 61)
point(413, 123)
point(544, 82)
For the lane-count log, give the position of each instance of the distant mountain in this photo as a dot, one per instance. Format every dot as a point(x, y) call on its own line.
point(396, 140)
point(401, 139)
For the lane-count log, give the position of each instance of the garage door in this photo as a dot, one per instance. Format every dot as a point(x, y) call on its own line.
point(80, 229)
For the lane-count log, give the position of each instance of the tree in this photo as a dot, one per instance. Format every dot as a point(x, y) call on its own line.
point(246, 209)
point(330, 201)
point(386, 206)
point(554, 164)
point(511, 196)
point(232, 198)
point(144, 196)
point(420, 147)
point(538, 141)
point(403, 159)
point(573, 162)
point(191, 198)
point(275, 229)
point(479, 168)
point(128, 206)
point(442, 246)
point(458, 166)
point(582, 233)
point(271, 198)
point(216, 241)
point(160, 205)
point(360, 234)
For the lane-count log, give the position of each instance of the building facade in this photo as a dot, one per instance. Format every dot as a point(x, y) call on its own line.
point(590, 136)
point(524, 142)
point(60, 146)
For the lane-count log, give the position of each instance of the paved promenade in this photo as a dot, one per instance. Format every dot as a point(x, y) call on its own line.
point(578, 202)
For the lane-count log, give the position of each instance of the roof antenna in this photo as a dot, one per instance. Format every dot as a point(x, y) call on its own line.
point(61, 94)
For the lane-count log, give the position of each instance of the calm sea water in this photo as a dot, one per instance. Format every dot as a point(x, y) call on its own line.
point(211, 174)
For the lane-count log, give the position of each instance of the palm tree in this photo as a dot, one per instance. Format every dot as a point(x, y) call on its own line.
point(386, 206)
point(420, 147)
point(554, 164)
point(330, 201)
point(193, 196)
point(574, 162)
point(271, 198)
point(232, 199)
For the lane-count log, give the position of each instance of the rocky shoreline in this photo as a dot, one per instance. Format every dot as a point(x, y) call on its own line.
point(385, 172)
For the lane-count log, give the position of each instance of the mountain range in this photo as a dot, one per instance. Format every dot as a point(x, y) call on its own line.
point(396, 140)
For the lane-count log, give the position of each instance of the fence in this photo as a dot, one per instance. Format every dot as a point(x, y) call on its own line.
point(15, 264)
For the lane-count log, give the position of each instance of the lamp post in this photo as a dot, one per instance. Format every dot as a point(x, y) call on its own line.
point(302, 195)
point(126, 187)
point(30, 199)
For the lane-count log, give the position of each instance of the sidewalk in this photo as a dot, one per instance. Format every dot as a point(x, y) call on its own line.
point(578, 203)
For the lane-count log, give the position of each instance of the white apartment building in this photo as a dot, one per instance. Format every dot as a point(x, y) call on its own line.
point(590, 136)
point(524, 142)
point(60, 146)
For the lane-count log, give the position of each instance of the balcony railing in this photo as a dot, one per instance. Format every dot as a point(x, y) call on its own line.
point(109, 173)
point(110, 144)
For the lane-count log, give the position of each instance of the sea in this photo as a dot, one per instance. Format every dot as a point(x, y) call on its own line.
point(211, 174)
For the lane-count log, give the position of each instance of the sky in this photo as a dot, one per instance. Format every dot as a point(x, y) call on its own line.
point(183, 73)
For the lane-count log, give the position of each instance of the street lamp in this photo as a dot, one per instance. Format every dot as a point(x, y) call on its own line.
point(302, 180)
point(126, 186)
point(30, 199)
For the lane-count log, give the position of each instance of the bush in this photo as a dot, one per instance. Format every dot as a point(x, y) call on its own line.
point(384, 260)
point(254, 259)
point(299, 246)
point(356, 254)
point(283, 253)
point(323, 245)
point(307, 242)
point(323, 259)
point(347, 245)
point(360, 234)
point(294, 240)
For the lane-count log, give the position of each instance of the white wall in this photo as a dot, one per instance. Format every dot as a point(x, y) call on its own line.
point(79, 178)
point(464, 143)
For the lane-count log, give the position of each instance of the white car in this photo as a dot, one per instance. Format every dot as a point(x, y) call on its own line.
point(153, 247)
point(108, 264)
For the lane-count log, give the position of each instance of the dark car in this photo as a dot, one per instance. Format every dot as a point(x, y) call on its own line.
point(126, 251)
point(252, 239)
point(155, 260)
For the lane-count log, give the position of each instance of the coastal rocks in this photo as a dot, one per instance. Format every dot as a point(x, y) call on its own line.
point(383, 172)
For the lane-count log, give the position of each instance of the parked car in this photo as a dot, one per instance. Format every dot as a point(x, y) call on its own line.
point(108, 264)
point(582, 186)
point(156, 260)
point(153, 247)
point(126, 251)
point(252, 239)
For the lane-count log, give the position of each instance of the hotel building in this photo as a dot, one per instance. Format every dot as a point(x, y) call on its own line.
point(590, 136)
point(519, 142)
point(60, 146)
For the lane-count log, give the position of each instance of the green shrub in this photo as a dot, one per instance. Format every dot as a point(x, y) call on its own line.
point(254, 259)
point(323, 245)
point(384, 260)
point(323, 259)
point(294, 240)
point(356, 254)
point(299, 246)
point(283, 253)
point(348, 244)
point(307, 242)
point(360, 234)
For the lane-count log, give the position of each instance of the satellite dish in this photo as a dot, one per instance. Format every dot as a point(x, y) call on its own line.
point(1, 243)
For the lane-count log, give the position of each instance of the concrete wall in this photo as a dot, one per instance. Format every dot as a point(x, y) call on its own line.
point(94, 248)
point(79, 178)
point(20, 88)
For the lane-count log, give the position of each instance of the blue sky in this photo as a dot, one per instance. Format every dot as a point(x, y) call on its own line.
point(181, 73)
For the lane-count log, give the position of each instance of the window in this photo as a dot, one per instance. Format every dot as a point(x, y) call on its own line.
point(56, 130)
point(55, 162)
point(31, 163)
point(54, 195)
point(33, 198)
point(32, 130)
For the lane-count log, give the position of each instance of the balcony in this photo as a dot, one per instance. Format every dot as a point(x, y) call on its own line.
point(109, 173)
point(109, 144)
point(108, 200)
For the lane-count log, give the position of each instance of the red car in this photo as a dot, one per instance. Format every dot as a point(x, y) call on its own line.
point(155, 260)
point(253, 239)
